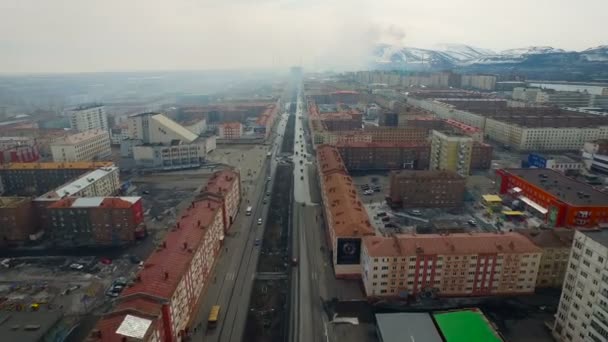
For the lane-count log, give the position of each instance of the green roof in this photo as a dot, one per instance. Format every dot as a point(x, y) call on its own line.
point(466, 326)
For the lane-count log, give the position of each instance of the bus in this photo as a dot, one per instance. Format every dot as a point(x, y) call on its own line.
point(214, 315)
point(248, 211)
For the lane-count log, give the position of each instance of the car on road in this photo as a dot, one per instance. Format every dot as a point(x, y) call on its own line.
point(472, 223)
point(264, 201)
point(259, 221)
point(294, 262)
point(146, 192)
point(257, 242)
point(76, 266)
point(368, 192)
point(268, 179)
point(416, 212)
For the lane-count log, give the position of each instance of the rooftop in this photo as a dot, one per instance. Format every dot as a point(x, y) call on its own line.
point(478, 329)
point(220, 182)
point(13, 202)
point(80, 137)
point(184, 133)
point(550, 238)
point(329, 160)
point(232, 125)
point(96, 202)
point(27, 326)
point(452, 244)
point(432, 174)
point(599, 236)
point(86, 106)
point(165, 267)
point(563, 188)
point(349, 217)
point(79, 184)
point(380, 144)
point(57, 166)
point(407, 326)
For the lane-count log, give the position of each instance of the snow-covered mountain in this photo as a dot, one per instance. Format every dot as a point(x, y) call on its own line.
point(592, 61)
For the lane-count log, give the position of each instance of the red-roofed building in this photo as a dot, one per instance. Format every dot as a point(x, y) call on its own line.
point(165, 293)
point(265, 120)
point(474, 264)
point(94, 221)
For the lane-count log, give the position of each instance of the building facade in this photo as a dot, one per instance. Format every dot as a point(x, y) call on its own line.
point(582, 314)
point(169, 157)
point(481, 264)
point(595, 156)
point(224, 187)
point(98, 183)
point(481, 82)
point(230, 130)
point(34, 179)
point(481, 156)
point(156, 128)
point(555, 245)
point(88, 117)
point(94, 221)
point(451, 152)
point(17, 221)
point(90, 145)
point(384, 156)
point(418, 189)
point(558, 200)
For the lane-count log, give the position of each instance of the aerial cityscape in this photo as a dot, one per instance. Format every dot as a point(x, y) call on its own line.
point(293, 171)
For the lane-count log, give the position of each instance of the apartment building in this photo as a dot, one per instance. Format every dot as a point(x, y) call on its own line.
point(163, 300)
point(345, 217)
point(559, 200)
point(34, 179)
point(101, 182)
point(481, 156)
point(230, 130)
point(555, 245)
point(88, 117)
point(451, 152)
point(428, 189)
point(481, 82)
point(595, 156)
point(582, 314)
point(384, 155)
point(480, 264)
point(17, 222)
point(398, 134)
point(90, 145)
point(94, 221)
point(224, 187)
point(156, 128)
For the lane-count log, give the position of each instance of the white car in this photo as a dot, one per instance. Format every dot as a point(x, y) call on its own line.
point(259, 221)
point(76, 266)
point(368, 192)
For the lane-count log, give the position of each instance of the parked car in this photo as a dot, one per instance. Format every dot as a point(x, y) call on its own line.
point(472, 223)
point(76, 266)
point(260, 221)
point(257, 242)
point(416, 212)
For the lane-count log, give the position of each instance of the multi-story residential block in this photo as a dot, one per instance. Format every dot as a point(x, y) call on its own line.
point(88, 117)
point(230, 130)
point(481, 156)
point(166, 292)
point(582, 314)
point(19, 154)
point(90, 145)
point(17, 221)
point(384, 155)
point(98, 183)
point(156, 128)
point(94, 221)
point(346, 219)
point(555, 245)
point(479, 264)
point(559, 200)
point(417, 189)
point(481, 82)
point(595, 156)
point(34, 179)
point(224, 187)
point(451, 152)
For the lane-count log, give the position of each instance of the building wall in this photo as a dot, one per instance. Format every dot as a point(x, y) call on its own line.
point(552, 268)
point(17, 221)
point(481, 156)
point(451, 153)
point(467, 274)
point(416, 189)
point(169, 157)
point(582, 314)
point(89, 118)
point(95, 147)
point(385, 157)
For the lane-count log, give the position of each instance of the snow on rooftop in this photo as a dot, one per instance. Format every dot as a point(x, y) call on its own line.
point(133, 326)
point(80, 183)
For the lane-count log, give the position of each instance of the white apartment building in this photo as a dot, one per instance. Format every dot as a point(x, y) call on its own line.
point(84, 146)
point(97, 183)
point(156, 128)
point(479, 264)
point(482, 82)
point(582, 314)
point(88, 117)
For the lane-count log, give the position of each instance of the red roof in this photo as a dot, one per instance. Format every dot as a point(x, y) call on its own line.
point(266, 115)
point(462, 126)
point(329, 160)
point(232, 125)
point(221, 181)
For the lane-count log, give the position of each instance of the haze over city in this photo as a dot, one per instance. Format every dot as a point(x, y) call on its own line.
point(88, 36)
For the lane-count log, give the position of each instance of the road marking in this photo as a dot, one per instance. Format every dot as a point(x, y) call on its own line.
point(230, 276)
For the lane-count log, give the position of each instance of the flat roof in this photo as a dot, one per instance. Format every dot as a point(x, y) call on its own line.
point(56, 166)
point(491, 198)
point(407, 326)
point(466, 326)
point(564, 188)
point(95, 202)
point(451, 244)
point(13, 202)
point(15, 325)
point(599, 236)
point(79, 184)
point(549, 238)
point(80, 137)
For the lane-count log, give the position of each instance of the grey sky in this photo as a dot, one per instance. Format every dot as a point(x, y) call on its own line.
point(107, 35)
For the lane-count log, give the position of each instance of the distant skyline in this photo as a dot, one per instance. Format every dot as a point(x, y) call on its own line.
point(115, 35)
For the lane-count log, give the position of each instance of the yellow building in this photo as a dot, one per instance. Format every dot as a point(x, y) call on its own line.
point(451, 151)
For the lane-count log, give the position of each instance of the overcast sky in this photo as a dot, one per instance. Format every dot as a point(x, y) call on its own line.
point(120, 35)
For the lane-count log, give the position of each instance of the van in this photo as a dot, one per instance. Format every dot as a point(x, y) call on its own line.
point(248, 211)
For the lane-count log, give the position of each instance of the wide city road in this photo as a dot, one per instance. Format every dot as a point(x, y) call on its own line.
point(235, 270)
